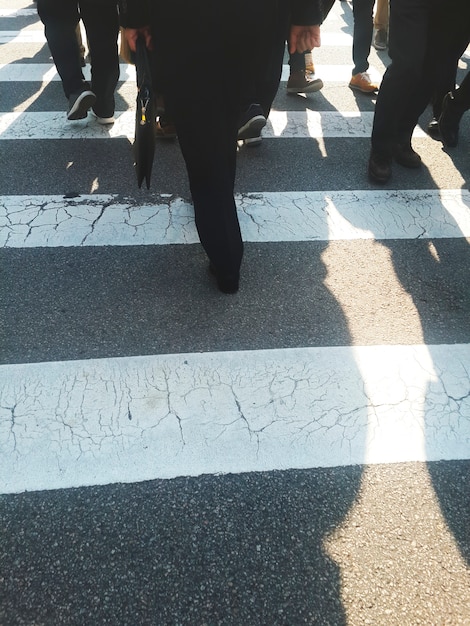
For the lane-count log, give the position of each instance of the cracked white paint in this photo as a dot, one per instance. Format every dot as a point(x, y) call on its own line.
point(90, 422)
point(281, 124)
point(100, 220)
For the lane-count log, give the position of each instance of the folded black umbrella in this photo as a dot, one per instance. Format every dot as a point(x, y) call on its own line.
point(145, 120)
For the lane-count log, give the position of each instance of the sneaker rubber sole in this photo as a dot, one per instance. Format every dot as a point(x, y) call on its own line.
point(373, 89)
point(253, 142)
point(103, 120)
point(313, 85)
point(82, 104)
point(252, 128)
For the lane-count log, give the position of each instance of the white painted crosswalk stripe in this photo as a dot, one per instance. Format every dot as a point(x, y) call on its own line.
point(124, 420)
point(105, 220)
point(281, 124)
point(46, 72)
point(13, 12)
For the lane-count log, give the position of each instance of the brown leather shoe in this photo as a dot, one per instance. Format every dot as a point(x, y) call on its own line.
point(299, 83)
point(406, 156)
point(380, 166)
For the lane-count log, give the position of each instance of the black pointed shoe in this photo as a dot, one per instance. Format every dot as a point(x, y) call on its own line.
point(406, 156)
point(433, 128)
point(380, 166)
point(449, 121)
point(227, 283)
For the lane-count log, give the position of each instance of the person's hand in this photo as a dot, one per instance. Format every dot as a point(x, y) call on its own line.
point(304, 38)
point(132, 34)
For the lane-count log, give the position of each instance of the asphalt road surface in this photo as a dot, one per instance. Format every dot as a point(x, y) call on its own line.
point(297, 453)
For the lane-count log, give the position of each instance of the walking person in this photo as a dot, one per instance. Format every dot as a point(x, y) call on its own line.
point(454, 40)
point(416, 26)
point(101, 21)
point(362, 40)
point(237, 37)
point(381, 16)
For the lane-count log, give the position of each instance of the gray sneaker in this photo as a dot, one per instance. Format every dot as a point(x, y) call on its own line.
point(79, 103)
point(250, 124)
point(381, 40)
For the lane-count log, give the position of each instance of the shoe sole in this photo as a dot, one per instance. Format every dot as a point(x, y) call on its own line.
point(253, 142)
point(363, 90)
point(82, 104)
point(316, 86)
point(252, 128)
point(411, 165)
point(378, 179)
point(104, 121)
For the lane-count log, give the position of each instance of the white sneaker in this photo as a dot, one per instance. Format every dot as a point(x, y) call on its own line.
point(103, 120)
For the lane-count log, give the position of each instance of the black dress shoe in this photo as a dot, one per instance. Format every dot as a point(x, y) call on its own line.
point(449, 121)
point(227, 283)
point(406, 156)
point(380, 166)
point(433, 128)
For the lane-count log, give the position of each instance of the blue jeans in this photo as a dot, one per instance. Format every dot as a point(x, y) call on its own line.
point(362, 35)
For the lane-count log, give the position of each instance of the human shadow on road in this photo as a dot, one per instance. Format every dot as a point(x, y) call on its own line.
point(240, 549)
point(433, 273)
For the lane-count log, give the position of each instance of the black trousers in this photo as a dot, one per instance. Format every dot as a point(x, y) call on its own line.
point(454, 39)
point(462, 94)
point(405, 85)
point(421, 32)
point(101, 20)
point(225, 43)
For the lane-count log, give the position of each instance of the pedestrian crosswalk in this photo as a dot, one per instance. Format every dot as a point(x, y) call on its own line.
point(46, 72)
point(295, 124)
point(348, 344)
point(30, 221)
point(133, 419)
point(107, 220)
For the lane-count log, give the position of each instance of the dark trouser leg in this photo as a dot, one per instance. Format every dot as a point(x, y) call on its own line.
point(453, 36)
point(407, 48)
point(446, 71)
point(206, 118)
point(362, 37)
point(263, 67)
point(211, 162)
point(462, 94)
point(454, 106)
point(60, 19)
point(297, 62)
point(102, 26)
